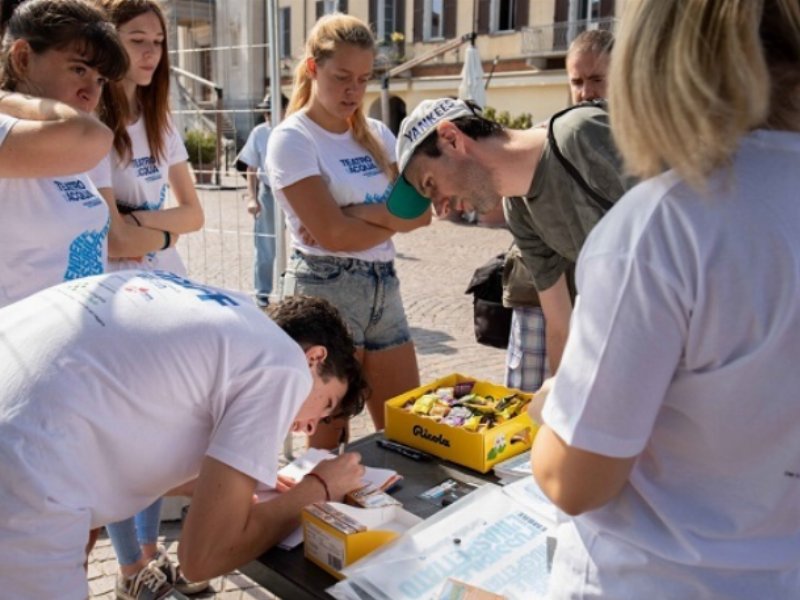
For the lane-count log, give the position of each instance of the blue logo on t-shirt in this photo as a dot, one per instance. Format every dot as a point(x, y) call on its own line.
point(75, 190)
point(206, 294)
point(361, 164)
point(378, 198)
point(146, 168)
point(86, 254)
point(162, 196)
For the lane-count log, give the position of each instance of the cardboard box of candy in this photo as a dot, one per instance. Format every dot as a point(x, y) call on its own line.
point(473, 423)
point(336, 535)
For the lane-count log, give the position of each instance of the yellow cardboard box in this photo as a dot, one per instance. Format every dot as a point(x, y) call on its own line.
point(476, 450)
point(336, 535)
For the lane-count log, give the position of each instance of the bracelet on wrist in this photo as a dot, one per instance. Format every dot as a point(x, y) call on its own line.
point(323, 482)
point(167, 240)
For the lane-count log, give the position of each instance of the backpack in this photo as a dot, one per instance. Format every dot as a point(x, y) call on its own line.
point(492, 320)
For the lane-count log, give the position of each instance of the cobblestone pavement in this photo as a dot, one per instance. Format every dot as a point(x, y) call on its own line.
point(434, 265)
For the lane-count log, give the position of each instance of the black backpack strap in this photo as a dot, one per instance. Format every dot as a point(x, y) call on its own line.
point(604, 204)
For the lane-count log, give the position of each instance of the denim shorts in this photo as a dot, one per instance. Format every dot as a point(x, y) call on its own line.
point(367, 295)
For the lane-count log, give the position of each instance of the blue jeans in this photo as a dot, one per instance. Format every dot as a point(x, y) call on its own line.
point(366, 294)
point(264, 238)
point(129, 535)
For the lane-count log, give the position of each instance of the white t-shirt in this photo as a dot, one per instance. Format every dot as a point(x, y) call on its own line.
point(254, 152)
point(683, 351)
point(143, 184)
point(299, 148)
point(54, 229)
point(115, 387)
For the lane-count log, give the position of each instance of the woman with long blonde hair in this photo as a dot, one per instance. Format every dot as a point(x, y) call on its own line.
point(331, 169)
point(671, 431)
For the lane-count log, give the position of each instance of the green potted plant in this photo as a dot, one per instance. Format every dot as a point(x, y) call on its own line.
point(202, 148)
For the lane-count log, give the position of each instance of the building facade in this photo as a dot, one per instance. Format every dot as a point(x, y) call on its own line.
point(522, 45)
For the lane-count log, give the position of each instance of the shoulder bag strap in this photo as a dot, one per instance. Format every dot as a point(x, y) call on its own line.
point(603, 203)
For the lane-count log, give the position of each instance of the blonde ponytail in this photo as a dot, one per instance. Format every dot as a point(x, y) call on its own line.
point(328, 34)
point(301, 90)
point(367, 140)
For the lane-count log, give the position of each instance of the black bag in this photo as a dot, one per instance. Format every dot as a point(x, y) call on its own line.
point(492, 320)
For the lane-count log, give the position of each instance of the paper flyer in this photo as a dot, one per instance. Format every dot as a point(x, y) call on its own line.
point(487, 539)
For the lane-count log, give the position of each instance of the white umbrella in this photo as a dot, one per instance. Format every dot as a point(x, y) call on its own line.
point(471, 87)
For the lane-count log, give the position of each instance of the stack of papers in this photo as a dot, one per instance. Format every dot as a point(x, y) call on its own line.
point(489, 539)
point(514, 468)
point(381, 479)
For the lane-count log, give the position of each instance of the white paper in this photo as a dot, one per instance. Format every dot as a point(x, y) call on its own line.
point(293, 540)
point(527, 492)
point(302, 465)
point(514, 467)
point(487, 539)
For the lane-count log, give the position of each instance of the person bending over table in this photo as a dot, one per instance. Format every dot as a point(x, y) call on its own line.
point(121, 388)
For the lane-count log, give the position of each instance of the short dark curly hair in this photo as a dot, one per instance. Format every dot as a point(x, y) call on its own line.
point(316, 322)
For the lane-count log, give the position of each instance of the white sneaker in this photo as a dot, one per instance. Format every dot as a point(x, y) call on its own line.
point(174, 575)
point(148, 584)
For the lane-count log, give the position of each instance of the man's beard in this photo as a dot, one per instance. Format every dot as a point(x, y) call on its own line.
point(480, 192)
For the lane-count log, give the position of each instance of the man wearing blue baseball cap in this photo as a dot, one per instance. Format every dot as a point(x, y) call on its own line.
point(449, 154)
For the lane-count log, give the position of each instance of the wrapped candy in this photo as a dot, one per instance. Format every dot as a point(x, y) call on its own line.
point(463, 388)
point(423, 404)
point(446, 394)
point(439, 409)
point(472, 423)
point(457, 416)
point(460, 407)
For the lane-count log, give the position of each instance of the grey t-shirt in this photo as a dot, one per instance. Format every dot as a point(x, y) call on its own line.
point(551, 223)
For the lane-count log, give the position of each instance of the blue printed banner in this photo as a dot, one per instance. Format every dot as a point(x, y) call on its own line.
point(487, 539)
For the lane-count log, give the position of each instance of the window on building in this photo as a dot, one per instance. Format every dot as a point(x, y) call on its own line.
point(434, 19)
point(386, 19)
point(504, 14)
point(326, 7)
point(589, 10)
point(433, 24)
point(285, 31)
